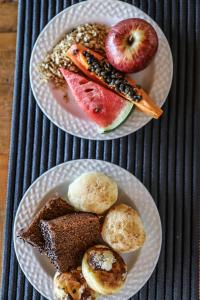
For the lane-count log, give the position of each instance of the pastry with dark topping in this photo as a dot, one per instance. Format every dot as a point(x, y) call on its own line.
point(104, 270)
point(72, 285)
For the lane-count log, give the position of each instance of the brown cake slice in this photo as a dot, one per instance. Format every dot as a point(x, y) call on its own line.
point(53, 208)
point(68, 237)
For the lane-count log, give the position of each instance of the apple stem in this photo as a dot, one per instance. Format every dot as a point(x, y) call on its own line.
point(131, 40)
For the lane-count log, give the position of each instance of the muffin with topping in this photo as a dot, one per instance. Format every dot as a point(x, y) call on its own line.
point(104, 270)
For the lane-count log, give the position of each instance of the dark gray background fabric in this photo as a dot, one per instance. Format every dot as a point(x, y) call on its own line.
point(163, 155)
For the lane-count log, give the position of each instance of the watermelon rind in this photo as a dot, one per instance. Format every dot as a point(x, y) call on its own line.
point(121, 118)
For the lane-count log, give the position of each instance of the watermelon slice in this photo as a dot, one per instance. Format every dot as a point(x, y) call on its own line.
point(105, 108)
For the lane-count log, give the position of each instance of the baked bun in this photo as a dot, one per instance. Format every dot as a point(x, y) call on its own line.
point(93, 192)
point(104, 270)
point(123, 229)
point(72, 285)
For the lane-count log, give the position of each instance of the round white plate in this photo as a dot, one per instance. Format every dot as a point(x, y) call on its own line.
point(141, 264)
point(155, 79)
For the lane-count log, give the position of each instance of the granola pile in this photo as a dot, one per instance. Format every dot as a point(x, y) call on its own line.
point(90, 35)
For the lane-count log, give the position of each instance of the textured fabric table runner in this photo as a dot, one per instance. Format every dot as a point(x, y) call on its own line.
point(163, 154)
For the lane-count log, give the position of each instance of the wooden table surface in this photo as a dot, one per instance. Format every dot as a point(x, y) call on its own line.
point(8, 27)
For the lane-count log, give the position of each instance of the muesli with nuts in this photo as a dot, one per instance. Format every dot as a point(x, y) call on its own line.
point(90, 35)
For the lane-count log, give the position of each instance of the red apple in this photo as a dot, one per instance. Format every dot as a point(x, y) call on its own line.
point(131, 44)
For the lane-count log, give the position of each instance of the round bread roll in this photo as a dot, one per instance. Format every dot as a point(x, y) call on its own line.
point(104, 270)
point(123, 229)
point(72, 285)
point(93, 192)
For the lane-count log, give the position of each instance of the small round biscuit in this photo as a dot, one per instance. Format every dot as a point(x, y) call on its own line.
point(93, 192)
point(104, 270)
point(123, 229)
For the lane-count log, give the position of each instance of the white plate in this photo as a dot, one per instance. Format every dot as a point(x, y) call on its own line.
point(155, 79)
point(141, 264)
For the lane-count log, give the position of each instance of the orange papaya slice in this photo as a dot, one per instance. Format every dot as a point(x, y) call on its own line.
point(96, 67)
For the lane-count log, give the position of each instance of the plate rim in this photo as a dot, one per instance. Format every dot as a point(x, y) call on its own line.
point(55, 122)
point(91, 161)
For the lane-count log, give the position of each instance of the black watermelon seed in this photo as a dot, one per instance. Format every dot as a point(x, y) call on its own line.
point(97, 109)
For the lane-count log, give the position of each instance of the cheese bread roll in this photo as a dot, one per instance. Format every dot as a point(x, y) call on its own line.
point(93, 192)
point(123, 229)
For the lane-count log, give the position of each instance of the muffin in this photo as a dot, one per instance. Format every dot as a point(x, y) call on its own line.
point(104, 270)
point(123, 229)
point(93, 192)
point(72, 285)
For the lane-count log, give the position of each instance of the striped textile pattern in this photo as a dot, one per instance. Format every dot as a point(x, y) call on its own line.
point(163, 154)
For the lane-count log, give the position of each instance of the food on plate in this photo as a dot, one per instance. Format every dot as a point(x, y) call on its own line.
point(72, 285)
point(105, 108)
point(68, 237)
point(123, 229)
point(91, 35)
point(131, 44)
point(93, 192)
point(53, 208)
point(71, 235)
point(96, 67)
point(104, 270)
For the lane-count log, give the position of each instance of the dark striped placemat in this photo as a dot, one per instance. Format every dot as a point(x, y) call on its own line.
point(163, 155)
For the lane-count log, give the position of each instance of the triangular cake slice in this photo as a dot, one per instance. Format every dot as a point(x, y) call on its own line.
point(53, 208)
point(68, 237)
